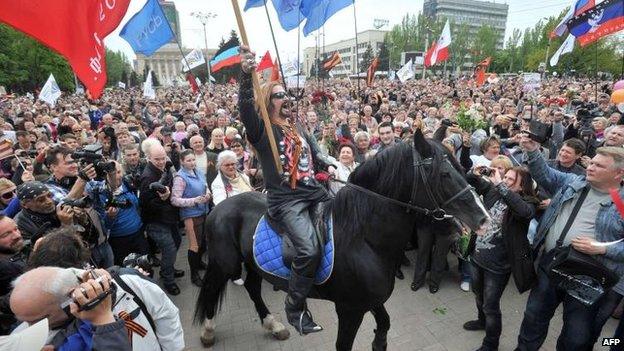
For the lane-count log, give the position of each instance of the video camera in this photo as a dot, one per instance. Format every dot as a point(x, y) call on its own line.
point(91, 154)
point(82, 202)
point(133, 260)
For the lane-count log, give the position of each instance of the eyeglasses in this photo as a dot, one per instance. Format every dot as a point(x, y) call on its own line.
point(278, 95)
point(8, 195)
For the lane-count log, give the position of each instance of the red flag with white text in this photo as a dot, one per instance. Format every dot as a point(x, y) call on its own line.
point(74, 29)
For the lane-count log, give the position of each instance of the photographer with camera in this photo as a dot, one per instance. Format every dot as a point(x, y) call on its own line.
point(118, 207)
point(66, 181)
point(13, 254)
point(40, 214)
point(159, 215)
point(581, 216)
point(133, 166)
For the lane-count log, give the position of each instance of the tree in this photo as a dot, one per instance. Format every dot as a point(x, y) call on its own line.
point(117, 67)
point(384, 57)
point(135, 80)
point(460, 45)
point(367, 58)
point(484, 44)
point(25, 64)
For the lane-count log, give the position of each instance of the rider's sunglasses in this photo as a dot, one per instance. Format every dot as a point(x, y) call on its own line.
point(278, 95)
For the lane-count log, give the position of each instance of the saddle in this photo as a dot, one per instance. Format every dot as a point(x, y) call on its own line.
point(274, 252)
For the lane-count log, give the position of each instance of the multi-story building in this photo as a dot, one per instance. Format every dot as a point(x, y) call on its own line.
point(166, 62)
point(473, 13)
point(347, 51)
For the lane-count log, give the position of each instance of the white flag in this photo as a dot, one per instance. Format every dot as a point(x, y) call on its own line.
point(566, 47)
point(194, 58)
point(50, 91)
point(290, 68)
point(406, 72)
point(148, 87)
point(441, 50)
point(121, 85)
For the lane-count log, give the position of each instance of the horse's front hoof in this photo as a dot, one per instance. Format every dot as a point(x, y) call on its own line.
point(380, 346)
point(281, 335)
point(277, 329)
point(207, 340)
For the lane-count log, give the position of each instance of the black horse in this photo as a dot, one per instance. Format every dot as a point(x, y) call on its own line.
point(373, 220)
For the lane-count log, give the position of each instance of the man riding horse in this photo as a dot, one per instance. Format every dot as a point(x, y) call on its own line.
point(294, 196)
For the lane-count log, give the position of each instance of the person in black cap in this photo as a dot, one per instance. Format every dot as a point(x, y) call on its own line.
point(39, 213)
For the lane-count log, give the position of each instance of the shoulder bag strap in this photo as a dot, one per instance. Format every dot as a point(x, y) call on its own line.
point(575, 210)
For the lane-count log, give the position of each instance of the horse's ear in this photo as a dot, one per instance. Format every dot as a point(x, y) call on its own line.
point(421, 144)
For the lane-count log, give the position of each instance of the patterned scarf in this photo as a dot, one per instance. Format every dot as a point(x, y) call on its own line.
point(290, 132)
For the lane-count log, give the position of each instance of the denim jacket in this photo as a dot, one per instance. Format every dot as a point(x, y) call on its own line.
point(609, 224)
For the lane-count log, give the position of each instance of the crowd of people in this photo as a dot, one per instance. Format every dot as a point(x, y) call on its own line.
point(122, 180)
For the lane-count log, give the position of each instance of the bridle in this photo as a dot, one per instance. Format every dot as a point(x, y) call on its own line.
point(438, 213)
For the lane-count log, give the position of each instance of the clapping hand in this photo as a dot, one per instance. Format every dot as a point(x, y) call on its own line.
point(248, 59)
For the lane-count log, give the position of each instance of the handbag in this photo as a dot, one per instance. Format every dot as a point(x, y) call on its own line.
point(581, 275)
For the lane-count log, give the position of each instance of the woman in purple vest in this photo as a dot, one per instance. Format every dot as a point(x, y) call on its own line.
point(190, 192)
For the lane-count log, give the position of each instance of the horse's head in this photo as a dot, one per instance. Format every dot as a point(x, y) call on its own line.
point(442, 187)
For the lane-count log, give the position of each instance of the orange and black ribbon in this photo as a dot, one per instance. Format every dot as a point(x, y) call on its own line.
point(132, 326)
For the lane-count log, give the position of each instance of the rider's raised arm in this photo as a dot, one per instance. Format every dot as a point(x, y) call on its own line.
point(246, 106)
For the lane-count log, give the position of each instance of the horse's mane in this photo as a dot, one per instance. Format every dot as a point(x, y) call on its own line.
point(389, 173)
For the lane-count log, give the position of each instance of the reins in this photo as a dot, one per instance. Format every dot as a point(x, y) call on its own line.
point(438, 213)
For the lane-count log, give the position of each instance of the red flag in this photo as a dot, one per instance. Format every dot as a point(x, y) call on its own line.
point(370, 74)
point(480, 71)
point(265, 63)
point(74, 29)
point(428, 54)
point(191, 79)
point(275, 75)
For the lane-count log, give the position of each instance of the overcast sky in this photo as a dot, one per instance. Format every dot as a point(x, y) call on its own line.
point(522, 14)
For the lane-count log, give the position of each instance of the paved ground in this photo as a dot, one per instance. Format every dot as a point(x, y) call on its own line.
point(420, 320)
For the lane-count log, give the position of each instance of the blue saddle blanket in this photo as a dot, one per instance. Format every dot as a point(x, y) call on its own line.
point(267, 250)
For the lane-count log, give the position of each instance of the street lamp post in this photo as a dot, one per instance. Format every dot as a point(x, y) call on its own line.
point(203, 18)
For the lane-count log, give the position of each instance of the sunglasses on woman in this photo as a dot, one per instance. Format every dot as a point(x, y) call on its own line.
point(9, 195)
point(278, 95)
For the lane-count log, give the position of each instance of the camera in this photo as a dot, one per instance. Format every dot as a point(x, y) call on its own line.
point(112, 202)
point(486, 172)
point(91, 154)
point(133, 260)
point(159, 188)
point(82, 202)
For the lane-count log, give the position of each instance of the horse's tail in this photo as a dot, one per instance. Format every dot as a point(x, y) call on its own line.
point(212, 292)
point(215, 280)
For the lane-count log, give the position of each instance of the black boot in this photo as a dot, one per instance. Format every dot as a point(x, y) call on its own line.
point(296, 309)
point(194, 259)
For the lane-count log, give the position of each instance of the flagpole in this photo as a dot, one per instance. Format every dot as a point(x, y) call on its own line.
point(257, 92)
point(546, 58)
point(596, 73)
point(185, 61)
point(622, 72)
point(357, 70)
point(279, 60)
point(425, 54)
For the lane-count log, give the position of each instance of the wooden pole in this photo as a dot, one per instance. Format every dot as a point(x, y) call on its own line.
point(257, 92)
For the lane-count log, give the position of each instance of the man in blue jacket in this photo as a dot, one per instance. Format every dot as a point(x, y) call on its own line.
point(596, 221)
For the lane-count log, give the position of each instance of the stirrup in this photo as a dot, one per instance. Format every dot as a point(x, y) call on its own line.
point(299, 326)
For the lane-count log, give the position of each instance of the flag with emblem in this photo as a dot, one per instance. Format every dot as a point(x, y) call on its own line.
point(603, 19)
point(50, 91)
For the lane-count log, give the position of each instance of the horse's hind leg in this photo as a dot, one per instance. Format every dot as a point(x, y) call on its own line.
point(380, 343)
point(253, 284)
point(348, 324)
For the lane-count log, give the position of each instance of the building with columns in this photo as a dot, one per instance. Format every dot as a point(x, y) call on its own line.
point(166, 62)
